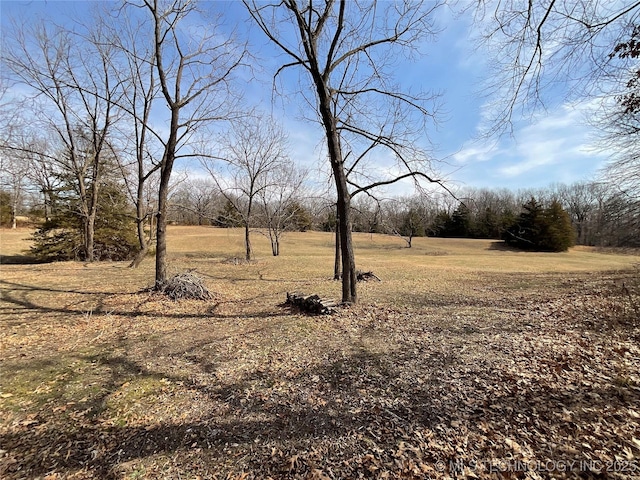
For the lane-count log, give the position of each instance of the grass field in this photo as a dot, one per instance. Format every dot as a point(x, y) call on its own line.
point(467, 360)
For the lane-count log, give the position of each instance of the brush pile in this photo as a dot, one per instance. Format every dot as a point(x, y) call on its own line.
point(184, 286)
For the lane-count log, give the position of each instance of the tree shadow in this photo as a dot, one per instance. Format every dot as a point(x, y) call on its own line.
point(360, 406)
point(20, 260)
point(39, 288)
point(502, 246)
point(18, 295)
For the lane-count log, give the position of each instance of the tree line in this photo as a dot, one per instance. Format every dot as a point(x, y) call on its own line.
point(585, 213)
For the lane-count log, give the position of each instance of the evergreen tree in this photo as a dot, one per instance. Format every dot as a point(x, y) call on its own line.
point(557, 231)
point(299, 218)
point(229, 217)
point(486, 225)
point(457, 225)
point(543, 229)
point(525, 231)
point(438, 227)
point(61, 237)
point(5, 208)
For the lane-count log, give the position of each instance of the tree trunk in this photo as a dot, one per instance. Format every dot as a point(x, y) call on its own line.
point(91, 222)
point(163, 195)
point(14, 220)
point(337, 259)
point(92, 207)
point(161, 226)
point(247, 241)
point(142, 241)
point(140, 218)
point(47, 207)
point(349, 291)
point(137, 260)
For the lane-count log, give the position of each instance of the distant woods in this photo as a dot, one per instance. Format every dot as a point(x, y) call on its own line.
point(549, 219)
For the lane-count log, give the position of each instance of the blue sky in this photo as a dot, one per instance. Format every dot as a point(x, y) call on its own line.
point(554, 146)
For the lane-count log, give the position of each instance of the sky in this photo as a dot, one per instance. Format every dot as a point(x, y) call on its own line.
point(553, 146)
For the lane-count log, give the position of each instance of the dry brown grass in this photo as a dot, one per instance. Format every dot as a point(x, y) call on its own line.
point(464, 353)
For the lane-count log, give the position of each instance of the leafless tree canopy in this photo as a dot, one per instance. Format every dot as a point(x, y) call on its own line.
point(69, 75)
point(540, 44)
point(245, 168)
point(345, 52)
point(195, 73)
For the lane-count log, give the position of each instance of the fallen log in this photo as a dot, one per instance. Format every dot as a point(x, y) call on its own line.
point(311, 303)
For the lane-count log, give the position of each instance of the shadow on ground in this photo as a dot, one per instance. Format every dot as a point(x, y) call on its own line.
point(358, 416)
point(19, 260)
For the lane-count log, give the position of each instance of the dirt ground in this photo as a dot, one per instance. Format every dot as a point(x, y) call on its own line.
point(465, 361)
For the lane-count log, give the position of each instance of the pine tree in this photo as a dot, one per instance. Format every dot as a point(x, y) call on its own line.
point(5, 208)
point(557, 231)
point(229, 217)
point(60, 238)
point(542, 229)
point(299, 217)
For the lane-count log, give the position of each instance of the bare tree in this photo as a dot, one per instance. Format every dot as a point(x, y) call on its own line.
point(13, 176)
point(194, 73)
point(406, 217)
point(135, 68)
point(345, 50)
point(564, 44)
point(196, 201)
point(281, 204)
point(69, 75)
point(14, 163)
point(367, 215)
point(619, 117)
point(43, 174)
point(251, 152)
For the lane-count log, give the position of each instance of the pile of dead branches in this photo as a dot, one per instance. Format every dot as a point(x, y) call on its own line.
point(311, 303)
point(184, 286)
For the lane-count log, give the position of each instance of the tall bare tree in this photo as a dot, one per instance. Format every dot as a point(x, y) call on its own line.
point(620, 119)
point(196, 201)
point(14, 163)
point(345, 51)
point(68, 77)
point(135, 69)
point(13, 176)
point(194, 71)
point(281, 202)
point(251, 153)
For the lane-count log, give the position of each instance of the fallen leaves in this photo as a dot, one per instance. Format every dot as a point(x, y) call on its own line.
point(483, 382)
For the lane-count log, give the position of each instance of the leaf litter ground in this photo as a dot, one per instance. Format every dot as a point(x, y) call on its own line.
point(535, 376)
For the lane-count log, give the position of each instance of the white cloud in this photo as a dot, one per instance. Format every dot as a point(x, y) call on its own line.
point(556, 146)
point(476, 153)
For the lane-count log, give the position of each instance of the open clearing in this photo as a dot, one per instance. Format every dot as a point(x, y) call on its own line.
point(466, 360)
